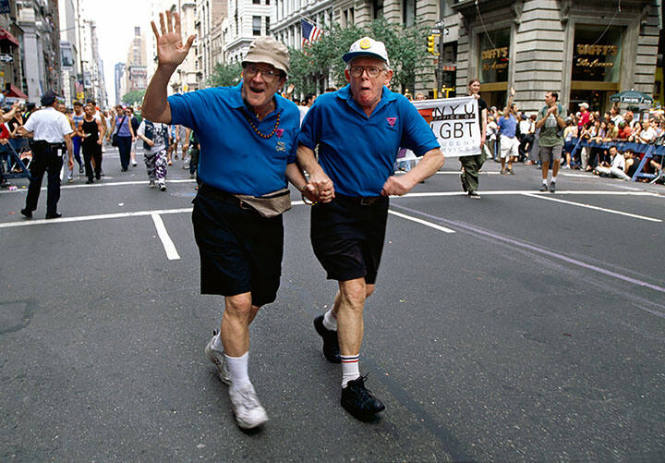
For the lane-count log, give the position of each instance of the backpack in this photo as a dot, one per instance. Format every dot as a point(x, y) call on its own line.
point(149, 132)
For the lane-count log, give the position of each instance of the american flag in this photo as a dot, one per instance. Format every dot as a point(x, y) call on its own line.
point(310, 33)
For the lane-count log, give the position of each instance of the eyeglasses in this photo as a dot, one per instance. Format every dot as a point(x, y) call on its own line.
point(268, 75)
point(372, 71)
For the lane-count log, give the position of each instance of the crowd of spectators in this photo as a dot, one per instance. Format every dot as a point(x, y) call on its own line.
point(601, 132)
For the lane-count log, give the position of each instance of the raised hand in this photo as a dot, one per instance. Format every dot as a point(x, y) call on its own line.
point(170, 49)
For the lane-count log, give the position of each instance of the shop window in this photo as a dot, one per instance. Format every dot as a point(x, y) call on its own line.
point(597, 53)
point(494, 56)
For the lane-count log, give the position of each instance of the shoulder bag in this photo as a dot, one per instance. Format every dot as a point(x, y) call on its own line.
point(269, 205)
point(114, 138)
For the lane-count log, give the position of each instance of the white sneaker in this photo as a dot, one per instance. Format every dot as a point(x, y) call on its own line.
point(217, 357)
point(246, 407)
point(162, 186)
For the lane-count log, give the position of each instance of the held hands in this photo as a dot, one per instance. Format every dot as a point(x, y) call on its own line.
point(170, 49)
point(322, 187)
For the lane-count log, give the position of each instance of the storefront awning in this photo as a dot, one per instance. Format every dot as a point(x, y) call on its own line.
point(16, 92)
point(6, 35)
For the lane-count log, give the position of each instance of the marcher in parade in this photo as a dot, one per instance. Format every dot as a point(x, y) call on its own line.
point(471, 165)
point(155, 136)
point(125, 136)
point(551, 122)
point(247, 135)
point(49, 129)
point(92, 133)
point(358, 130)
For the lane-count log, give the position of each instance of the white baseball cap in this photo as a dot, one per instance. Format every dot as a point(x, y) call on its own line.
point(584, 105)
point(367, 47)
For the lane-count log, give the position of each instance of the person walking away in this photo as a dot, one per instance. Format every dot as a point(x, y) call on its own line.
point(155, 138)
point(135, 125)
point(92, 130)
point(77, 121)
point(354, 178)
point(49, 129)
point(551, 122)
point(247, 135)
point(471, 165)
point(125, 136)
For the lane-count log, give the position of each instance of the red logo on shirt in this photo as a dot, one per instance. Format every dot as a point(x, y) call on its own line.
point(391, 121)
point(279, 133)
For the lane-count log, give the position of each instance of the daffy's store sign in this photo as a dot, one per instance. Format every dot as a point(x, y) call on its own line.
point(596, 60)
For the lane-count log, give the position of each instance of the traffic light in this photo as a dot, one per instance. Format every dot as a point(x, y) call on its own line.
point(431, 44)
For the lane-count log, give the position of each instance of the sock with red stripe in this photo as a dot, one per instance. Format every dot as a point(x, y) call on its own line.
point(350, 369)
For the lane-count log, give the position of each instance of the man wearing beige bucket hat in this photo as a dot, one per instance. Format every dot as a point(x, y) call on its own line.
point(358, 130)
point(247, 136)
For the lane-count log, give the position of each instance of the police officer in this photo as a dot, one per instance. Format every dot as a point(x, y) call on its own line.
point(49, 128)
point(358, 130)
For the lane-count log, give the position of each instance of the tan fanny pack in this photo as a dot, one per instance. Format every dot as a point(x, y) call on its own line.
point(268, 205)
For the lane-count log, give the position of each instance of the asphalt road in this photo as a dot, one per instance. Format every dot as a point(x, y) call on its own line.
point(521, 327)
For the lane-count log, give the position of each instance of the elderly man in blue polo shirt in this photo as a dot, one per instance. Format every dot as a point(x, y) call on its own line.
point(358, 130)
point(247, 136)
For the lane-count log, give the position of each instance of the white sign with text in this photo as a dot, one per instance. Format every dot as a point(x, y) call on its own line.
point(454, 122)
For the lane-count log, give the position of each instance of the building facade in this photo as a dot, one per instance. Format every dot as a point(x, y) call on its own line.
point(245, 20)
point(69, 50)
point(585, 51)
point(11, 62)
point(208, 13)
point(39, 44)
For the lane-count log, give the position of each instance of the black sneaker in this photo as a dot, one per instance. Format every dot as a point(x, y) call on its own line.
point(543, 187)
point(359, 401)
point(552, 187)
point(330, 343)
point(54, 215)
point(474, 195)
point(27, 213)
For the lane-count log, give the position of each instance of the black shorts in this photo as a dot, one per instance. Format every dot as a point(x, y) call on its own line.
point(240, 250)
point(348, 236)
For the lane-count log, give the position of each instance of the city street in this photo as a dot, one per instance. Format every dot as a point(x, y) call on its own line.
point(525, 326)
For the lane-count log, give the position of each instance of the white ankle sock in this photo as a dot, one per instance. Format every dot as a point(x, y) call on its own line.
point(350, 368)
point(329, 321)
point(544, 181)
point(238, 369)
point(554, 179)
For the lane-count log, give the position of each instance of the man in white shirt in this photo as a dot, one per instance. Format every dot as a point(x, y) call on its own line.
point(618, 167)
point(49, 129)
point(648, 134)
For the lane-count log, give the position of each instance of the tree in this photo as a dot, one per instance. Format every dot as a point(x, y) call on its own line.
point(225, 75)
point(405, 46)
point(133, 98)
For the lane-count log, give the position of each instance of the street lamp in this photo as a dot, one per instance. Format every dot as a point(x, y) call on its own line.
point(439, 29)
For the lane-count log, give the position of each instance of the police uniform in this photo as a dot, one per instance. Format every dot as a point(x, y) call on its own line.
point(49, 128)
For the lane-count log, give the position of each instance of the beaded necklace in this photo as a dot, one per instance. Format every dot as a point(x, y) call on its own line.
point(258, 132)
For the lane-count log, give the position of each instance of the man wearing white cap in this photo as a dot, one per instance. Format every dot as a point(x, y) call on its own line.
point(358, 130)
point(247, 136)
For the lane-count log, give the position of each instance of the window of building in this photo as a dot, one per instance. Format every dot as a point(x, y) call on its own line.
point(256, 25)
point(493, 65)
point(409, 12)
point(267, 2)
point(256, 2)
point(377, 9)
point(267, 25)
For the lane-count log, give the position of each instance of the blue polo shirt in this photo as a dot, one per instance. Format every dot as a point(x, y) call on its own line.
point(358, 152)
point(508, 126)
point(234, 158)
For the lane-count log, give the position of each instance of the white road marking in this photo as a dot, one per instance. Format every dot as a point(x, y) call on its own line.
point(169, 247)
point(521, 192)
point(101, 184)
point(595, 208)
point(87, 218)
point(422, 222)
